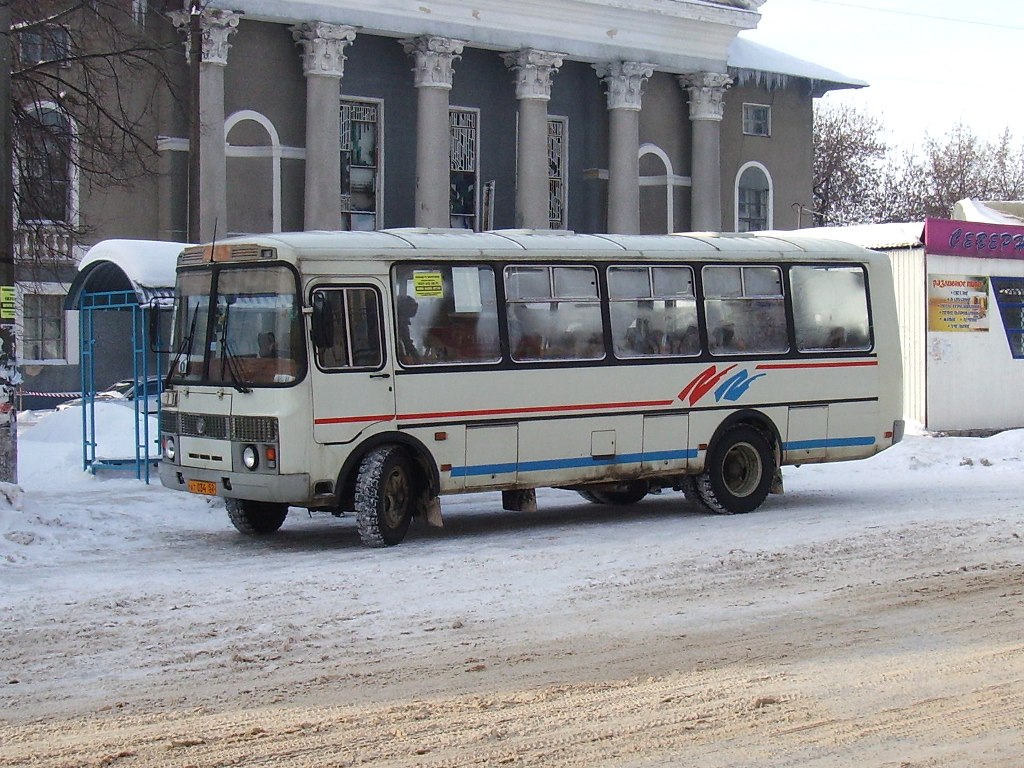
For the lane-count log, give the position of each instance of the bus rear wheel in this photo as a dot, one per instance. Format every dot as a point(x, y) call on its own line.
point(739, 471)
point(256, 518)
point(620, 495)
point(384, 497)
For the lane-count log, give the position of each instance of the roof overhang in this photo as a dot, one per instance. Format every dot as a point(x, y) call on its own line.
point(751, 62)
point(143, 267)
point(673, 35)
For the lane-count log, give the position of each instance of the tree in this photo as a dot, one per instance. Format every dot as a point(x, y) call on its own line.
point(74, 105)
point(848, 151)
point(86, 82)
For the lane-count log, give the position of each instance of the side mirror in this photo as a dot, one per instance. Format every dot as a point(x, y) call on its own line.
point(153, 329)
point(322, 323)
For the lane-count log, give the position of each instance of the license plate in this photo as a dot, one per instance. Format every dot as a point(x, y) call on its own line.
point(204, 487)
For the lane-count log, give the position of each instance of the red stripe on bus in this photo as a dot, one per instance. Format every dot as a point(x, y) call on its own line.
point(537, 409)
point(354, 419)
point(850, 364)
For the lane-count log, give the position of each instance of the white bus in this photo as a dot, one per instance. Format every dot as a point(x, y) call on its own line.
point(373, 372)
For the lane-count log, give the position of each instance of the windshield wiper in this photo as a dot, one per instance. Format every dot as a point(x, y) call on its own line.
point(184, 348)
point(228, 361)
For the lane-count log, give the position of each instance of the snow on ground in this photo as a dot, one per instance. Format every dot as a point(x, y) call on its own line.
point(890, 582)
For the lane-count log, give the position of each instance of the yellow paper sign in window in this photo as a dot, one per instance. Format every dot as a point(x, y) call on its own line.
point(428, 285)
point(7, 302)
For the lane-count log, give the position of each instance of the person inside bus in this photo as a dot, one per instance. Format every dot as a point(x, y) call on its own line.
point(406, 308)
point(267, 343)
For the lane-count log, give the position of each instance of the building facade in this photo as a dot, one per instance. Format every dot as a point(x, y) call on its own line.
point(634, 116)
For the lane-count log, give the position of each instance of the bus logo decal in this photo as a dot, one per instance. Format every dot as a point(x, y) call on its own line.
point(735, 386)
point(731, 389)
point(703, 383)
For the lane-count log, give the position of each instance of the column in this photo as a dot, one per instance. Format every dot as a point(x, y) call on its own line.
point(216, 26)
point(624, 81)
point(706, 91)
point(533, 70)
point(323, 63)
point(434, 57)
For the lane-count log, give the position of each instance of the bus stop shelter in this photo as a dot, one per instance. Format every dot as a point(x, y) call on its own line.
point(119, 285)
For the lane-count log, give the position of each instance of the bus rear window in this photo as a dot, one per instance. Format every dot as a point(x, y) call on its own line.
point(830, 308)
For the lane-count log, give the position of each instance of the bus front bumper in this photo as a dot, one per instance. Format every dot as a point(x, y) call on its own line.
point(285, 489)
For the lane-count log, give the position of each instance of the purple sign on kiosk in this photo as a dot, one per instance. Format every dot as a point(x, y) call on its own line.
point(979, 239)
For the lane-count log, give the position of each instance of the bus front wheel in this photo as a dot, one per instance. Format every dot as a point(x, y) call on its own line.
point(256, 518)
point(384, 497)
point(739, 471)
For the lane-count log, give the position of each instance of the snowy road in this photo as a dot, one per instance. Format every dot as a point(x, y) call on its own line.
point(870, 616)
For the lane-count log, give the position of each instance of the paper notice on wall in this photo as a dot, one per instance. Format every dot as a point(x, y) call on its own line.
point(957, 303)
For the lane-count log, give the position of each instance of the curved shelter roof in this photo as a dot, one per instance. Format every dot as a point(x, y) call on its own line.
point(145, 267)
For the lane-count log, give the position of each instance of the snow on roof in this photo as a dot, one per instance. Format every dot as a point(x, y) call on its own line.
point(874, 236)
point(147, 262)
point(143, 266)
point(754, 60)
point(991, 211)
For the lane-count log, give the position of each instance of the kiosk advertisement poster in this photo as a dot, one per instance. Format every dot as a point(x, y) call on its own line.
point(957, 303)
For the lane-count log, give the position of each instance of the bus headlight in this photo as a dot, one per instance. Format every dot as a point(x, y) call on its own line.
point(170, 450)
point(250, 457)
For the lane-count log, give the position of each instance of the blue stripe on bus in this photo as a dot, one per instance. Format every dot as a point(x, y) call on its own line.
point(834, 442)
point(571, 463)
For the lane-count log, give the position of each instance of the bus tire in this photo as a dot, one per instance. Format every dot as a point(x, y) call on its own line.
point(739, 471)
point(622, 495)
point(255, 518)
point(385, 493)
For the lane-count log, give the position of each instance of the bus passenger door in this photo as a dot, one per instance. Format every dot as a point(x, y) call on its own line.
point(353, 378)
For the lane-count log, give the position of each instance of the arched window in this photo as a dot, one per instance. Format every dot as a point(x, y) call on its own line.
point(45, 165)
point(657, 190)
point(754, 204)
point(253, 152)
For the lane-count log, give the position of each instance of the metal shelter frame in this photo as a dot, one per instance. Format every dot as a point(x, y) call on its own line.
point(145, 454)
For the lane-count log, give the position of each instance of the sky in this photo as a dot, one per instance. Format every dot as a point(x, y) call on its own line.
point(930, 63)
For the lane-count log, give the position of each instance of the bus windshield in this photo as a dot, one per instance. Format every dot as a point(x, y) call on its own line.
point(237, 326)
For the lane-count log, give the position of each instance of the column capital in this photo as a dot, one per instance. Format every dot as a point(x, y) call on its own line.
point(217, 26)
point(625, 81)
point(533, 69)
point(434, 57)
point(323, 47)
point(706, 91)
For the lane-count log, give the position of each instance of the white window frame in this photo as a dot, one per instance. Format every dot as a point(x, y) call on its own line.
point(379, 175)
point(736, 194)
point(749, 122)
point(562, 180)
point(61, 56)
point(69, 319)
point(478, 214)
point(71, 220)
point(275, 151)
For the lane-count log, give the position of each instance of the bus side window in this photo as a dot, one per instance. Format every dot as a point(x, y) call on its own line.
point(553, 313)
point(830, 308)
point(347, 333)
point(653, 311)
point(446, 314)
point(745, 309)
